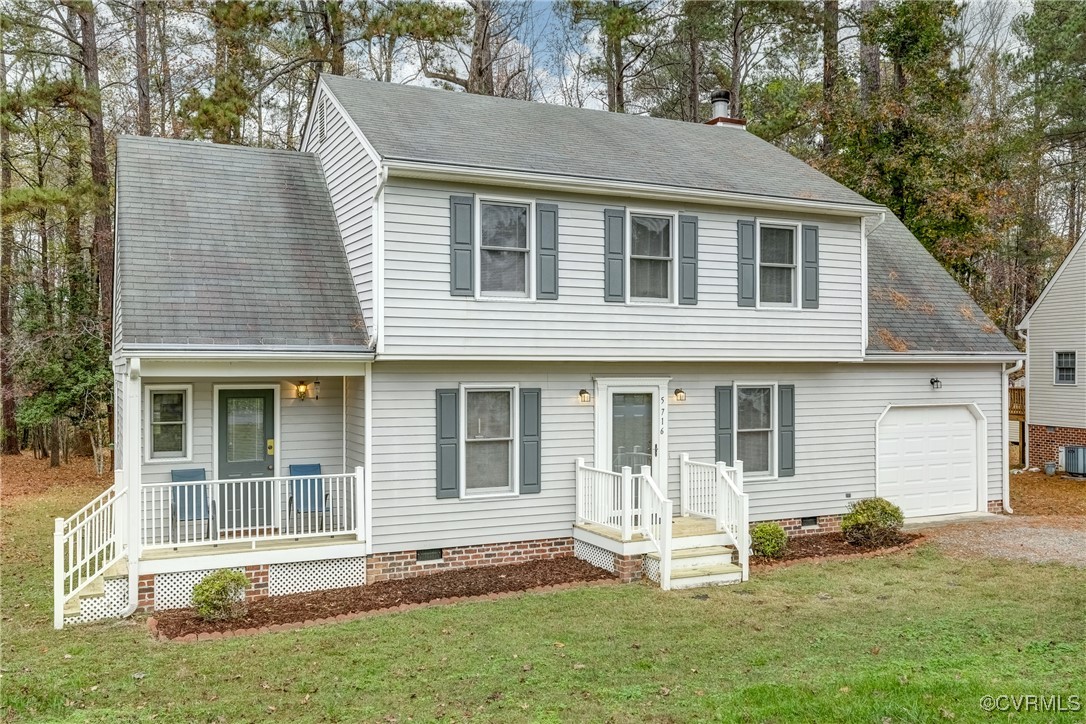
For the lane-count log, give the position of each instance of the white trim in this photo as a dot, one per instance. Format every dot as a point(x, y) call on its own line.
point(605, 387)
point(367, 451)
point(774, 431)
point(656, 192)
point(864, 333)
point(225, 369)
point(323, 91)
point(343, 422)
point(797, 281)
point(621, 355)
point(513, 389)
point(672, 299)
point(1024, 324)
point(1055, 370)
point(277, 420)
point(377, 333)
point(529, 252)
point(982, 444)
point(148, 390)
point(256, 556)
point(952, 357)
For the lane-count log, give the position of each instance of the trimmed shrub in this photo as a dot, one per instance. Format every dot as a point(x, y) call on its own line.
point(221, 595)
point(873, 522)
point(768, 540)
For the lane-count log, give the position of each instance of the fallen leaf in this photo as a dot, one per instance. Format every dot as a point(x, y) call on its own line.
point(526, 667)
point(844, 690)
point(559, 645)
point(664, 691)
point(946, 713)
point(578, 666)
point(875, 650)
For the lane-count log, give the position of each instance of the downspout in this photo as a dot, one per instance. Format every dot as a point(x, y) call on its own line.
point(379, 261)
point(133, 452)
point(1007, 372)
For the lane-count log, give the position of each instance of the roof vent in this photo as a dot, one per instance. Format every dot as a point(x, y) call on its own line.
point(721, 114)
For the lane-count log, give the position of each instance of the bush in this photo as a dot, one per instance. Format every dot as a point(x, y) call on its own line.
point(221, 595)
point(873, 522)
point(768, 540)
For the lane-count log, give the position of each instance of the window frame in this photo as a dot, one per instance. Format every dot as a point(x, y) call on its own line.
point(672, 298)
point(187, 423)
point(797, 250)
point(513, 490)
point(774, 430)
point(1056, 368)
point(529, 251)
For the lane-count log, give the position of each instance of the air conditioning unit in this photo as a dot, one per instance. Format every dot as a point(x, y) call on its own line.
point(1074, 459)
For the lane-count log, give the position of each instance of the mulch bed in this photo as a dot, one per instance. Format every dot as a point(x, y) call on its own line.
point(339, 604)
point(1040, 494)
point(831, 546)
point(22, 475)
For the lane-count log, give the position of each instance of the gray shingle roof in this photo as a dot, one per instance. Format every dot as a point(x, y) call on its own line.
point(229, 246)
point(915, 306)
point(410, 123)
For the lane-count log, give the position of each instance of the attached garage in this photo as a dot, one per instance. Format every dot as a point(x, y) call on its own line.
point(930, 459)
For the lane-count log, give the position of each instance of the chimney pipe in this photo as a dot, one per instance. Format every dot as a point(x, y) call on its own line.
point(721, 100)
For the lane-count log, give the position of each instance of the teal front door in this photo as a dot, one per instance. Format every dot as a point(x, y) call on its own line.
point(246, 453)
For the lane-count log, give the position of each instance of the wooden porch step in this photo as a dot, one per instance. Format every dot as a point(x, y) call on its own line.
point(714, 570)
point(682, 553)
point(118, 570)
point(708, 575)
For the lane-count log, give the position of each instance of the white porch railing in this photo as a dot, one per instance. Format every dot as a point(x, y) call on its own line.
point(715, 490)
point(607, 498)
point(654, 521)
point(190, 514)
point(84, 545)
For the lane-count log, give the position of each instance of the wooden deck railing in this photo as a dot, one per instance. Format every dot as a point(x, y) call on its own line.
point(1017, 408)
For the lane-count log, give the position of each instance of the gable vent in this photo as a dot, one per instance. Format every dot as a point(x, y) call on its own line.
point(320, 119)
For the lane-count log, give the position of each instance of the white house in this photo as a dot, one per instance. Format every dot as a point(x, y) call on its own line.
point(535, 331)
point(1055, 332)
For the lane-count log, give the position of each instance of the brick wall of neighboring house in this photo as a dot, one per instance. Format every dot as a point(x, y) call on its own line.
point(403, 564)
point(1044, 442)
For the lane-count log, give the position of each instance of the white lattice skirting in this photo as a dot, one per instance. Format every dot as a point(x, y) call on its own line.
point(595, 555)
point(111, 604)
point(305, 576)
point(651, 569)
point(174, 590)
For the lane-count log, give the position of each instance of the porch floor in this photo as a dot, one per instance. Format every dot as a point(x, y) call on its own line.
point(681, 527)
point(156, 554)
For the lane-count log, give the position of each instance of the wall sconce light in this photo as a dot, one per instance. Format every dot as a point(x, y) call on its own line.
point(585, 396)
point(302, 390)
point(680, 394)
point(936, 383)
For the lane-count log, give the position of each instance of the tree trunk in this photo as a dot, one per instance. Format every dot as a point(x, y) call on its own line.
point(54, 443)
point(830, 58)
point(869, 55)
point(9, 434)
point(336, 37)
point(735, 106)
point(693, 90)
point(143, 79)
point(481, 67)
point(103, 228)
point(166, 104)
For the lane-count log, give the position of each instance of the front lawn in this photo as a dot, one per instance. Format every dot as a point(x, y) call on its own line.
point(915, 636)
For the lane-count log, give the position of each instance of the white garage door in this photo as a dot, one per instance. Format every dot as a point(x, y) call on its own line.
point(928, 460)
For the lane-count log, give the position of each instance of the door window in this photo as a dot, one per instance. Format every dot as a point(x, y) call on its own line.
point(631, 430)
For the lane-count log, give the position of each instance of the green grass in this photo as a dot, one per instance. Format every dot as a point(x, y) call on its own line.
point(910, 637)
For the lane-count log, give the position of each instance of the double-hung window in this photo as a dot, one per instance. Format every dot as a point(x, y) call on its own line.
point(1066, 363)
point(168, 437)
point(650, 257)
point(755, 428)
point(489, 432)
point(503, 249)
point(777, 278)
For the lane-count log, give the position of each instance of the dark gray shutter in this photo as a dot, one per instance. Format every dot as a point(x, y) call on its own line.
point(786, 400)
point(810, 267)
point(530, 452)
point(546, 234)
point(688, 260)
point(748, 271)
point(614, 255)
point(448, 443)
point(725, 429)
point(462, 247)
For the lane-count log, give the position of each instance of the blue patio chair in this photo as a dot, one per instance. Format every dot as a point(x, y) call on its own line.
point(307, 496)
point(189, 504)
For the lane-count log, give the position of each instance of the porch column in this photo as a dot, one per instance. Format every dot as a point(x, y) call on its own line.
point(133, 446)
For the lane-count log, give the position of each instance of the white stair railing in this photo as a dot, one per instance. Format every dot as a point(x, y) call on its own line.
point(715, 490)
point(606, 498)
point(84, 546)
point(655, 522)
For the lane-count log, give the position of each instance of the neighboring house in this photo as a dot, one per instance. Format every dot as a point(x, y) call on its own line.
point(535, 331)
point(1055, 332)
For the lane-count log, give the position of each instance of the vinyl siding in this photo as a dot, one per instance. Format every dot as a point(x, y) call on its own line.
point(1059, 325)
point(356, 422)
point(423, 320)
point(836, 411)
point(311, 431)
point(352, 183)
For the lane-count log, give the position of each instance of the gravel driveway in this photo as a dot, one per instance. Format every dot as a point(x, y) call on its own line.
point(1037, 539)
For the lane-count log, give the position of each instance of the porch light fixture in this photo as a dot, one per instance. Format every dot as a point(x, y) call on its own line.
point(585, 396)
point(936, 383)
point(680, 394)
point(302, 390)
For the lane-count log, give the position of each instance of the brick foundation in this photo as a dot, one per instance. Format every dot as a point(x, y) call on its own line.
point(258, 582)
point(629, 568)
point(402, 564)
point(794, 526)
point(145, 593)
point(1043, 446)
point(995, 506)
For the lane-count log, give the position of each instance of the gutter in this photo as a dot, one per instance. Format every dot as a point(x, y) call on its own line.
point(1005, 377)
point(628, 189)
point(959, 357)
point(156, 351)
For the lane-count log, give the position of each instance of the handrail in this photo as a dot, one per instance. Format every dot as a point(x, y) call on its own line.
point(740, 512)
point(84, 545)
point(655, 522)
point(606, 498)
point(715, 491)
